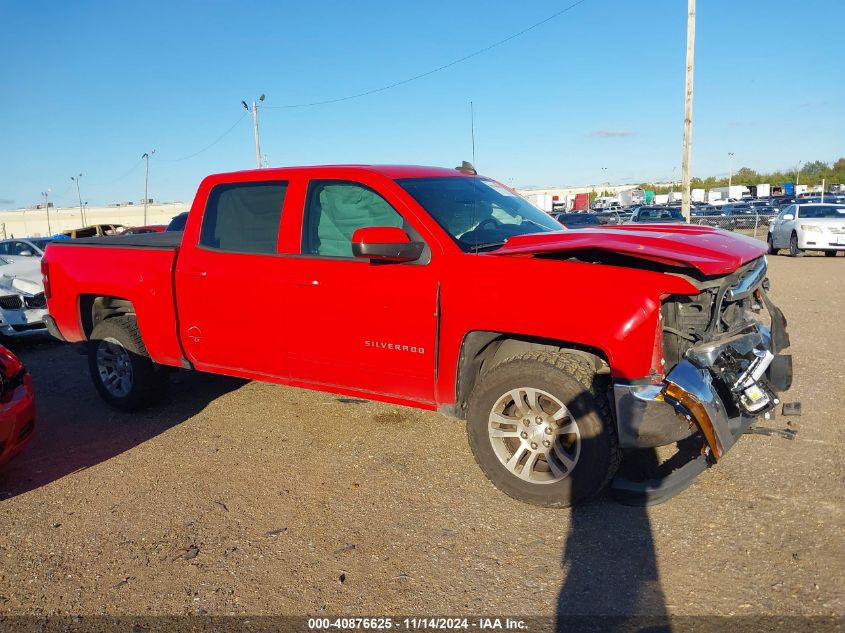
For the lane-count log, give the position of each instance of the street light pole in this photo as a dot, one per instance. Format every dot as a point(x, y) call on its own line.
point(146, 158)
point(798, 176)
point(46, 195)
point(255, 128)
point(79, 197)
point(687, 154)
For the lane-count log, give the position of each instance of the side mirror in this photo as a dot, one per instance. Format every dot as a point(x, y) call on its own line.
point(26, 253)
point(385, 244)
point(788, 217)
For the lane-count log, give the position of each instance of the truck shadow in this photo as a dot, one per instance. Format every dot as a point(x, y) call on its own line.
point(611, 577)
point(611, 581)
point(75, 429)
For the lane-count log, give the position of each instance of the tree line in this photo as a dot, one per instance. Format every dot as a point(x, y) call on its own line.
point(811, 174)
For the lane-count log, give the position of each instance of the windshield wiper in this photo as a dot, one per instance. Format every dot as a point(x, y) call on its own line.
point(474, 248)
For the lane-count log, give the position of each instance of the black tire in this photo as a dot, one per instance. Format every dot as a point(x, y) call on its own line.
point(794, 251)
point(771, 250)
point(572, 381)
point(147, 381)
point(830, 253)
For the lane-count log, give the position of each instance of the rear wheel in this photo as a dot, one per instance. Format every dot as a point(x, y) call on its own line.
point(794, 251)
point(123, 372)
point(541, 430)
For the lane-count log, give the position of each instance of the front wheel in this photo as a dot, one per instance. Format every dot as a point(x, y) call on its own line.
point(123, 372)
point(794, 251)
point(771, 243)
point(541, 431)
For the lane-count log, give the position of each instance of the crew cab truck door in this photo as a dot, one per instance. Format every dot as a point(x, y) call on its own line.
point(361, 325)
point(231, 311)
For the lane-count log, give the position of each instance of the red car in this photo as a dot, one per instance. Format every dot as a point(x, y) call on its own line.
point(17, 406)
point(442, 290)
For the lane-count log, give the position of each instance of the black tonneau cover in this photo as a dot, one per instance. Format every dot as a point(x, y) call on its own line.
point(169, 240)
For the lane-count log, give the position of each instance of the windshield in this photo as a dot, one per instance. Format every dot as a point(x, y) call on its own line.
point(576, 218)
point(822, 212)
point(478, 213)
point(655, 215)
point(40, 244)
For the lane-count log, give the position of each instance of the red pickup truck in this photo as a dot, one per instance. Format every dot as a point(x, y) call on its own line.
point(443, 290)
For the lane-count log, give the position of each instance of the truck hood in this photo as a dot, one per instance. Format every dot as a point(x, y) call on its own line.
point(710, 251)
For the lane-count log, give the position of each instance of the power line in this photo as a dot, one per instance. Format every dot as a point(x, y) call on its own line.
point(111, 182)
point(207, 147)
point(454, 62)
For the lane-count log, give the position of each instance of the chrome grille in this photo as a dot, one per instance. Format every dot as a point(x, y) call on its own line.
point(36, 301)
point(11, 302)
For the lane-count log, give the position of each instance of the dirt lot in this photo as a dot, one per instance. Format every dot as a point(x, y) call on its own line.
point(247, 498)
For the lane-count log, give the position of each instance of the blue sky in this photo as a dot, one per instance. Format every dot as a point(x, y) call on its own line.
point(90, 86)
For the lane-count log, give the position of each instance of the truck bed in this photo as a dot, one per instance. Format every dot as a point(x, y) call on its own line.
point(167, 240)
point(134, 268)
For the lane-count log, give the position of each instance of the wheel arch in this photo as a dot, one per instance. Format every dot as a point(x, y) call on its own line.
point(94, 309)
point(483, 350)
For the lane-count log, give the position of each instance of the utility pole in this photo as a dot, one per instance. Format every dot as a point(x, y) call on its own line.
point(255, 128)
point(730, 171)
point(46, 195)
point(146, 158)
point(798, 177)
point(687, 154)
point(79, 197)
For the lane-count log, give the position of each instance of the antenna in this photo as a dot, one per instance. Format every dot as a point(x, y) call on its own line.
point(472, 128)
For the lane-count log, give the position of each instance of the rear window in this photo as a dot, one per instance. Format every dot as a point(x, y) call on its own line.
point(244, 217)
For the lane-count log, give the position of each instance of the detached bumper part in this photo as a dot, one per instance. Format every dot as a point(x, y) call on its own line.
point(690, 399)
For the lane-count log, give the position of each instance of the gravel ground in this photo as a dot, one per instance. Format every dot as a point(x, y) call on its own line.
point(246, 498)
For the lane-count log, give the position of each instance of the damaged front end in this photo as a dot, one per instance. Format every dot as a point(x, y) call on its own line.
point(724, 349)
point(23, 307)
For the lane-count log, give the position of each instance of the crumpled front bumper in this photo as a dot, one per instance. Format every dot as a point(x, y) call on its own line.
point(719, 388)
point(734, 376)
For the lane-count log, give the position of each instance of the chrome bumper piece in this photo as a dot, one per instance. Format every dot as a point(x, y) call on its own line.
point(689, 398)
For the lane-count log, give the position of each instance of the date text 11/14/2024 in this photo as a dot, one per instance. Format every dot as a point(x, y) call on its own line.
point(417, 624)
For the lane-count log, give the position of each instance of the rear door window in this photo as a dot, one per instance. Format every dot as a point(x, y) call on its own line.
point(244, 217)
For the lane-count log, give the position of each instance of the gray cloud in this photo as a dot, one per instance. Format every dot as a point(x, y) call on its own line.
point(612, 133)
point(6, 201)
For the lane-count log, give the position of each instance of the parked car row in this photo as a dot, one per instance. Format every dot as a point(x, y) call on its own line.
point(796, 227)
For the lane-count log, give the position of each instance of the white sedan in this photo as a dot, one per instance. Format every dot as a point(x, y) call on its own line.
point(22, 302)
point(812, 226)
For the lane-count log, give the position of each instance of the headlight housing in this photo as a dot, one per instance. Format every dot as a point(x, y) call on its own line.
point(811, 227)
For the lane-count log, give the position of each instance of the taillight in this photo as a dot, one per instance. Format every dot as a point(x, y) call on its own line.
point(9, 363)
point(45, 277)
